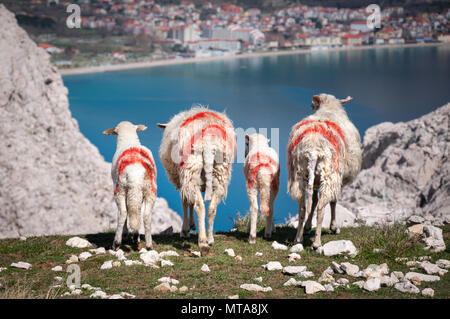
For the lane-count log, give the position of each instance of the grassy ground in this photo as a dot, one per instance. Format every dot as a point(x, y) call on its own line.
point(226, 274)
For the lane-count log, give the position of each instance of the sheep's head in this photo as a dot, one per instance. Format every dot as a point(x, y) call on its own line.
point(328, 101)
point(125, 128)
point(255, 140)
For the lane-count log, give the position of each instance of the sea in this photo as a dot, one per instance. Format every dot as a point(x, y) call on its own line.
point(267, 94)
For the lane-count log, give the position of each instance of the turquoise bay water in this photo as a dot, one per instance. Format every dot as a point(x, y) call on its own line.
point(272, 92)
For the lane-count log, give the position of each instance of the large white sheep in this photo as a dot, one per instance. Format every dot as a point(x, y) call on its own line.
point(134, 176)
point(324, 153)
point(197, 151)
point(262, 174)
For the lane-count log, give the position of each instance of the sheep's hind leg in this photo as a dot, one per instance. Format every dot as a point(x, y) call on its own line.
point(191, 217)
point(185, 228)
point(199, 206)
point(270, 227)
point(122, 218)
point(308, 224)
point(323, 201)
point(253, 215)
point(333, 226)
point(301, 219)
point(212, 215)
point(148, 212)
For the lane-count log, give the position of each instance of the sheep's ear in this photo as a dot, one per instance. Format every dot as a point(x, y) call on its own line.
point(141, 127)
point(347, 99)
point(316, 101)
point(110, 131)
point(163, 126)
point(247, 137)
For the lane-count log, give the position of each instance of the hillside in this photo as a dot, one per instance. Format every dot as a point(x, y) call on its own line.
point(226, 273)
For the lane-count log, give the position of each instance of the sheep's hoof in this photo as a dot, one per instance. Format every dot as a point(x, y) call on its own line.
point(252, 240)
point(184, 234)
point(204, 249)
point(268, 235)
point(298, 240)
point(149, 247)
point(115, 245)
point(316, 245)
point(193, 226)
point(335, 230)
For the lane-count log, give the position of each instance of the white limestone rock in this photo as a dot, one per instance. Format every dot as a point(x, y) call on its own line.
point(293, 257)
point(21, 265)
point(278, 246)
point(428, 292)
point(107, 265)
point(293, 270)
point(422, 277)
point(84, 255)
point(372, 284)
point(298, 248)
point(273, 265)
point(312, 287)
point(205, 268)
point(99, 294)
point(340, 247)
point(150, 257)
point(350, 269)
point(78, 242)
point(255, 287)
point(230, 252)
point(406, 286)
point(57, 268)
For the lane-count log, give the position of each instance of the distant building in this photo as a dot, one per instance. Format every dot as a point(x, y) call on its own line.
point(50, 48)
point(360, 26)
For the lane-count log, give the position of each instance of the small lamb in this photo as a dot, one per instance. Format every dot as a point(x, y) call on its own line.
point(262, 174)
point(324, 153)
point(134, 176)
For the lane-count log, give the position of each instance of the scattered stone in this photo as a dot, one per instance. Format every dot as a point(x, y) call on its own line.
point(386, 281)
point(166, 263)
point(99, 294)
point(116, 296)
point(406, 286)
point(238, 258)
point(377, 250)
point(428, 292)
point(360, 283)
point(292, 282)
point(415, 219)
point(376, 271)
point(326, 277)
point(258, 253)
point(230, 252)
point(196, 254)
point(342, 281)
point(98, 251)
point(2, 268)
point(72, 259)
point(294, 256)
point(336, 267)
point(21, 265)
point(233, 296)
point(433, 238)
point(340, 247)
point(22, 238)
point(372, 284)
point(273, 265)
point(150, 257)
point(306, 274)
point(443, 263)
point(205, 268)
point(169, 280)
point(424, 258)
point(431, 269)
point(415, 230)
point(401, 259)
point(278, 246)
point(183, 289)
point(298, 248)
point(422, 277)
point(312, 287)
point(84, 255)
point(120, 255)
point(328, 287)
point(58, 278)
point(132, 262)
point(116, 263)
point(107, 265)
point(57, 268)
point(293, 270)
point(411, 263)
point(350, 269)
point(255, 287)
point(168, 253)
point(164, 287)
point(258, 279)
point(76, 292)
point(78, 242)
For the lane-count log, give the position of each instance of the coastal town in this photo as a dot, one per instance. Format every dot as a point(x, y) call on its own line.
point(145, 30)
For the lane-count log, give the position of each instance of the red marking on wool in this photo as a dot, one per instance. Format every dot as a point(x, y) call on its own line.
point(136, 155)
point(261, 160)
point(337, 129)
point(202, 115)
point(319, 129)
point(212, 129)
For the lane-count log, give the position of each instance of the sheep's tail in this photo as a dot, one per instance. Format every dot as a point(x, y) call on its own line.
point(208, 167)
point(134, 204)
point(311, 175)
point(264, 198)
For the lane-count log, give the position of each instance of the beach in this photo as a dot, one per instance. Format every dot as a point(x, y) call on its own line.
point(167, 62)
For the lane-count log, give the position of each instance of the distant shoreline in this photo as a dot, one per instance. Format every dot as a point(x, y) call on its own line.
point(167, 62)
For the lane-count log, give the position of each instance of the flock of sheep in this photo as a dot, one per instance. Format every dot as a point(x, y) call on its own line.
point(198, 149)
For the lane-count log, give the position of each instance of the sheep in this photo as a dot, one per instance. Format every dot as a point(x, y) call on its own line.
point(324, 153)
point(197, 151)
point(262, 174)
point(134, 176)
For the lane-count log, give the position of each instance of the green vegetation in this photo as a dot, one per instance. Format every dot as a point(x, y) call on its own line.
point(226, 274)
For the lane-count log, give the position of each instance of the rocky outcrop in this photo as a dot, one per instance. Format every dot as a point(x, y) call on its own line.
point(406, 170)
point(52, 179)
